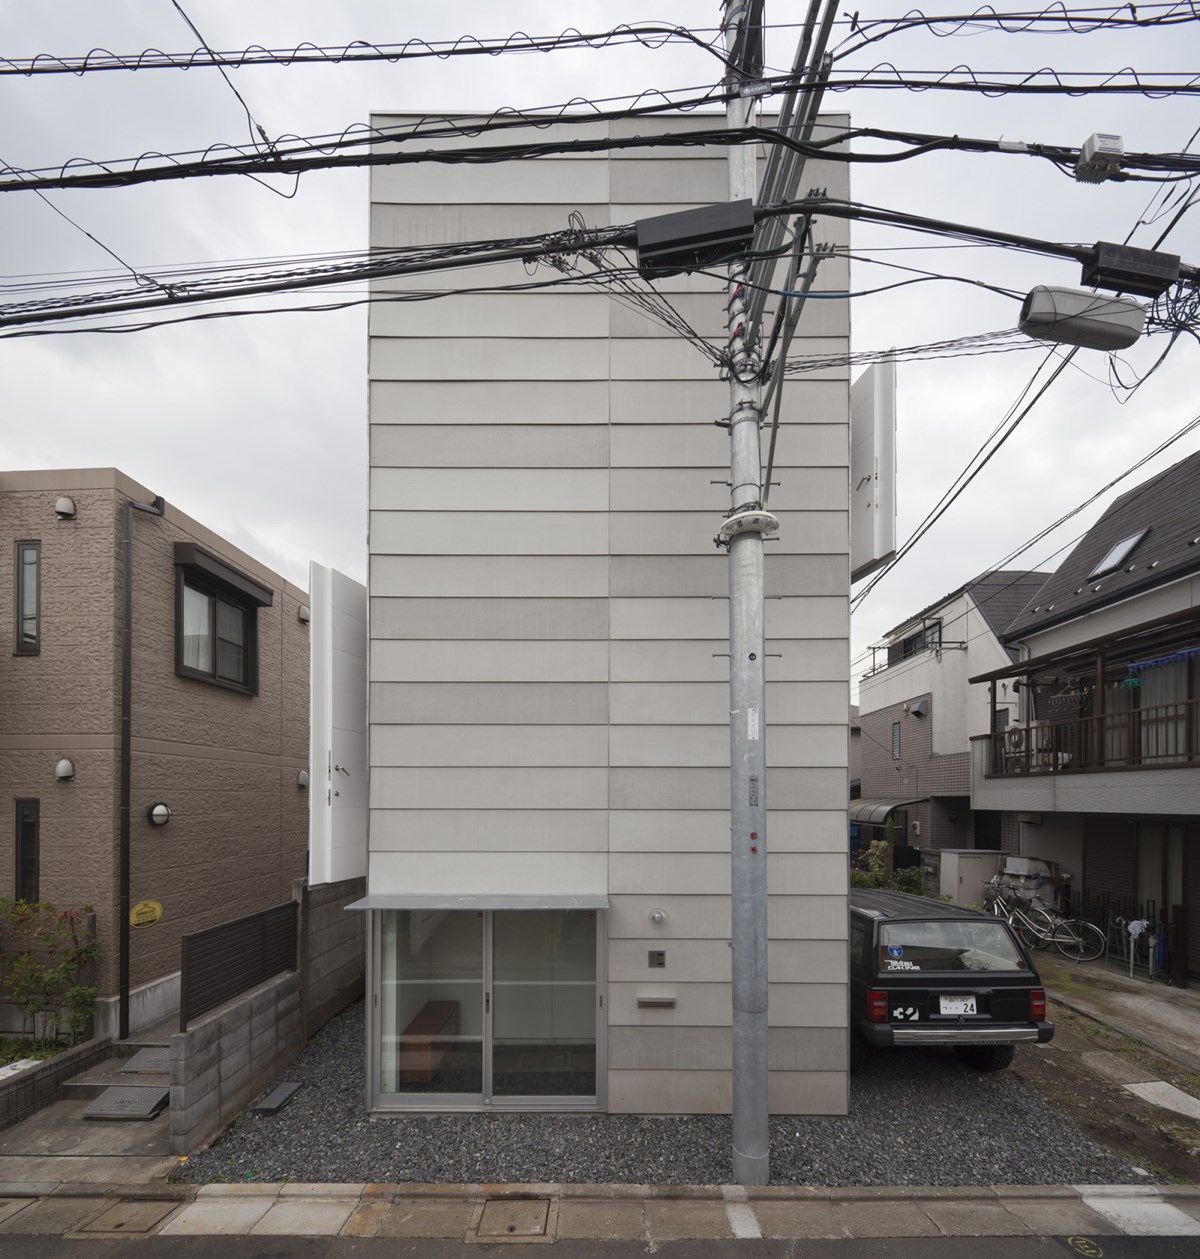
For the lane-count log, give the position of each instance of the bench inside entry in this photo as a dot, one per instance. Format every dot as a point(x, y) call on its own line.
point(433, 1020)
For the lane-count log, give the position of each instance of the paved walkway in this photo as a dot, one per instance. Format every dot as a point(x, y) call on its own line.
point(1165, 1018)
point(647, 1213)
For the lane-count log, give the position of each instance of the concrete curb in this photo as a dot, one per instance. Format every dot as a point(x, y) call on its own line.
point(649, 1193)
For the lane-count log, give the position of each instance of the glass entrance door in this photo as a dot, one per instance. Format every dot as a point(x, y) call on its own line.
point(431, 1005)
point(481, 1008)
point(544, 1001)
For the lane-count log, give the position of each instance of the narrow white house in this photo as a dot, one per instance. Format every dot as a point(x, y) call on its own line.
point(548, 865)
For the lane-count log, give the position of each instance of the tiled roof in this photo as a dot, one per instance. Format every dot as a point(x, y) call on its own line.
point(1168, 506)
point(999, 595)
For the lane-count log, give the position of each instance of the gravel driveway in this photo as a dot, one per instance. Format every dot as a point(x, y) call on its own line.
point(916, 1118)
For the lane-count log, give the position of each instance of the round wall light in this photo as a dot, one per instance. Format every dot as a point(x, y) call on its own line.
point(657, 916)
point(158, 814)
point(64, 770)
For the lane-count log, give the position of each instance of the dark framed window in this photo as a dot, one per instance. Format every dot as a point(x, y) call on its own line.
point(29, 598)
point(25, 884)
point(216, 621)
point(895, 740)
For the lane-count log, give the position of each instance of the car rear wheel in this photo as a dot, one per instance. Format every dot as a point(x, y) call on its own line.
point(985, 1057)
point(860, 1051)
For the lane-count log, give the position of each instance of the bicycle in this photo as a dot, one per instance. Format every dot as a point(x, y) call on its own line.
point(1038, 928)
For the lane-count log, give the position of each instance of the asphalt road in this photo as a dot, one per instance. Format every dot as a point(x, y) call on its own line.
point(394, 1248)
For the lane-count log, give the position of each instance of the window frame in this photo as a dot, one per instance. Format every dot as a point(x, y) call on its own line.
point(205, 573)
point(19, 845)
point(20, 648)
point(895, 740)
point(187, 578)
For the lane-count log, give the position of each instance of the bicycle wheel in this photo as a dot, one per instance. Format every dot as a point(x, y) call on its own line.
point(1035, 927)
point(1078, 940)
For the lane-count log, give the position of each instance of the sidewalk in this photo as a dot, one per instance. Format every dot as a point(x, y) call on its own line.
point(635, 1213)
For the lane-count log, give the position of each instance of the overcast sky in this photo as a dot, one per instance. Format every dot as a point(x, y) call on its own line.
point(257, 426)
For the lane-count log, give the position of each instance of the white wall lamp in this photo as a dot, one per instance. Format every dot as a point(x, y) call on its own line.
point(158, 814)
point(302, 779)
point(64, 770)
point(657, 916)
point(64, 509)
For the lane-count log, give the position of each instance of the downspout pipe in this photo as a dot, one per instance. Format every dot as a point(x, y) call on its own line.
point(157, 508)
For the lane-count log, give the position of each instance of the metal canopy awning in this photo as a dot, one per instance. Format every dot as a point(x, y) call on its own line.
point(481, 900)
point(875, 812)
point(1117, 644)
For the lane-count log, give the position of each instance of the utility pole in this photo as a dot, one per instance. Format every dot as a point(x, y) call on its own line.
point(742, 530)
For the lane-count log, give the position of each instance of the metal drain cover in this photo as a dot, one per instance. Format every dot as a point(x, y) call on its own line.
point(154, 1058)
point(513, 1219)
point(120, 1102)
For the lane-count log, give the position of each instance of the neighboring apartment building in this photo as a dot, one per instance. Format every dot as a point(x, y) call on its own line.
point(218, 723)
point(1102, 771)
point(918, 714)
point(548, 878)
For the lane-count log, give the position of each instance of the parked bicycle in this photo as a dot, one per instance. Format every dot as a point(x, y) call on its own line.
point(1039, 928)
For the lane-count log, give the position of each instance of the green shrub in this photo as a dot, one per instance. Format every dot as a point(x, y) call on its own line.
point(46, 960)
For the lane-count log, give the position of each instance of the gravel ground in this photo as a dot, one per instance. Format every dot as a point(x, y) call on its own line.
point(916, 1118)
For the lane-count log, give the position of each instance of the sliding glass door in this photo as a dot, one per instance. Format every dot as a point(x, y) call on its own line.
point(544, 1004)
point(487, 1008)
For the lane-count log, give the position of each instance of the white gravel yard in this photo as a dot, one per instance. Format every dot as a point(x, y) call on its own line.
point(916, 1118)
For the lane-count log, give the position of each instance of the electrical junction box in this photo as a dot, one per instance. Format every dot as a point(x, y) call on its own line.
point(690, 239)
point(1099, 158)
point(1145, 272)
point(1095, 321)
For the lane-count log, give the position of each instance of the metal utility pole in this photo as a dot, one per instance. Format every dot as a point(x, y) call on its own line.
point(742, 530)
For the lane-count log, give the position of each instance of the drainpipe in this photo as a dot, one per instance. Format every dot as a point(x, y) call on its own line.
point(154, 509)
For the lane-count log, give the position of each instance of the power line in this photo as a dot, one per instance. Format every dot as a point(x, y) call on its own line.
point(1055, 19)
point(292, 154)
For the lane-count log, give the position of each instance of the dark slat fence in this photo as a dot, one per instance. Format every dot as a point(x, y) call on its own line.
point(224, 961)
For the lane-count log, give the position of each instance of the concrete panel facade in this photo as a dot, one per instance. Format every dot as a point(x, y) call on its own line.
point(224, 761)
point(549, 691)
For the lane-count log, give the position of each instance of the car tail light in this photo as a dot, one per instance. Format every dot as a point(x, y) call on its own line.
point(1037, 1005)
point(877, 1006)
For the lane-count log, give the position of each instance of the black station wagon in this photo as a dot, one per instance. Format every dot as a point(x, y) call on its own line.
point(923, 972)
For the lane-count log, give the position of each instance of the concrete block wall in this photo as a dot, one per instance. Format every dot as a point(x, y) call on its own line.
point(332, 949)
point(222, 1063)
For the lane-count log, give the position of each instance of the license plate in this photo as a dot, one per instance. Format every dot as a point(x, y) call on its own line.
point(957, 1005)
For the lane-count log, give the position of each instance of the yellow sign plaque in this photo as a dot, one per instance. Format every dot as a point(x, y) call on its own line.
point(145, 914)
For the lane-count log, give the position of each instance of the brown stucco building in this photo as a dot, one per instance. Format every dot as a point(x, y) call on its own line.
point(218, 721)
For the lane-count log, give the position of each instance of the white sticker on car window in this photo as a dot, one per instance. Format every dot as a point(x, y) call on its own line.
point(894, 965)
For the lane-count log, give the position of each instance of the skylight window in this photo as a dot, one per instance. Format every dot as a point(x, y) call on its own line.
point(1118, 555)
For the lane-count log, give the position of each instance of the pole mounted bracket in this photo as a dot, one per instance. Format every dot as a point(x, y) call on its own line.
point(754, 521)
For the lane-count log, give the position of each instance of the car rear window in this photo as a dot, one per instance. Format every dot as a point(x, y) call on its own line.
point(954, 945)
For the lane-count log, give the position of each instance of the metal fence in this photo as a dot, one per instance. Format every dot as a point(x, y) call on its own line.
point(224, 961)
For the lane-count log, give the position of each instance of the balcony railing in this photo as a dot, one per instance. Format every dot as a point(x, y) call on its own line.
point(1160, 737)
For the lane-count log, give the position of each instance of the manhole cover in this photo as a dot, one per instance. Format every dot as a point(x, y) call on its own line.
point(61, 1147)
point(513, 1219)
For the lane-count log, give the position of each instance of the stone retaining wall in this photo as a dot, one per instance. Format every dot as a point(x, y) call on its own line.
point(226, 1059)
